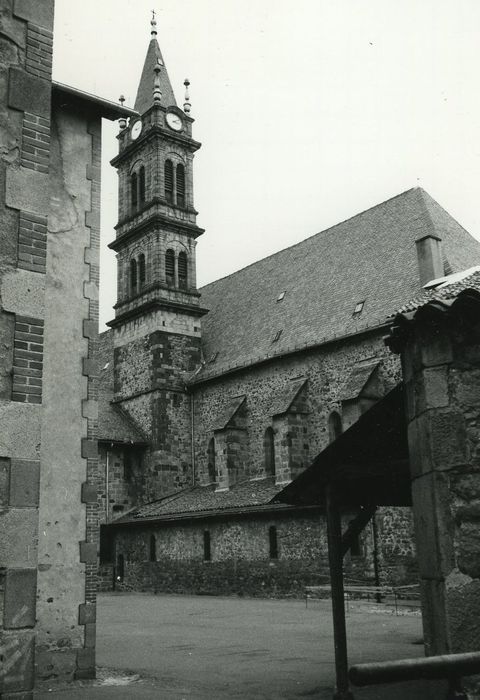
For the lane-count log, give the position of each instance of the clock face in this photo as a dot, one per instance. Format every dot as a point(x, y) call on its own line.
point(136, 129)
point(174, 121)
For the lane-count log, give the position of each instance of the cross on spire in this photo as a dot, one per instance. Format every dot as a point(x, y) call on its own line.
point(153, 23)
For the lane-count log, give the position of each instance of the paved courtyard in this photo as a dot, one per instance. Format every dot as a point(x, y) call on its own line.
point(192, 647)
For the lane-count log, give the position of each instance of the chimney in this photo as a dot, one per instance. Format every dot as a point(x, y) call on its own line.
point(430, 259)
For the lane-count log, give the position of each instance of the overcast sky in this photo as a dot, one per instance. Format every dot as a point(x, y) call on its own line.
point(309, 111)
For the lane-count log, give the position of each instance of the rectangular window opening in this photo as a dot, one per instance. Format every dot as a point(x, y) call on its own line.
point(358, 307)
point(273, 542)
point(207, 552)
point(277, 336)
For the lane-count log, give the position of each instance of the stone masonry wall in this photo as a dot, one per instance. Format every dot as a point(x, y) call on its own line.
point(25, 77)
point(151, 388)
point(68, 525)
point(326, 370)
point(240, 556)
point(441, 362)
point(125, 481)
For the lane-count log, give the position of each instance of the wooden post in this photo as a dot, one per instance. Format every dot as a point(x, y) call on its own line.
point(335, 559)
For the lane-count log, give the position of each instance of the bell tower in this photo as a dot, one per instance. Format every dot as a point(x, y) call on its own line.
point(157, 327)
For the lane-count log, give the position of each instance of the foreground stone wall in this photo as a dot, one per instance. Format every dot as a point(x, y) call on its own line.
point(68, 509)
point(25, 77)
point(240, 561)
point(50, 186)
point(441, 364)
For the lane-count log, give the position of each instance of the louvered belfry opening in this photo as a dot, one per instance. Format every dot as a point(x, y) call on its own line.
point(141, 185)
point(133, 276)
point(134, 191)
point(141, 270)
point(180, 185)
point(182, 270)
point(169, 181)
point(170, 266)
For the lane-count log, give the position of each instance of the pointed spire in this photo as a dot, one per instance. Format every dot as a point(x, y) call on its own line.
point(148, 82)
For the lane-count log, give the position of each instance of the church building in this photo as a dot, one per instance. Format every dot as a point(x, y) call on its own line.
point(212, 400)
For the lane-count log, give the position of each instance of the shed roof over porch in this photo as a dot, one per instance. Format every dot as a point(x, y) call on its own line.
point(368, 463)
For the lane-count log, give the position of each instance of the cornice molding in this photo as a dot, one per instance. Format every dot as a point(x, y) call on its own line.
point(162, 221)
point(151, 132)
point(153, 305)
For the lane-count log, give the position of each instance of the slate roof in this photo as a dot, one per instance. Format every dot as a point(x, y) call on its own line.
point(144, 99)
point(458, 292)
point(229, 412)
point(203, 500)
point(371, 257)
point(286, 395)
point(357, 379)
point(113, 424)
point(449, 288)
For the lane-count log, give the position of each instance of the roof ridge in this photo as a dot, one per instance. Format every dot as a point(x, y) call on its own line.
point(426, 208)
point(319, 233)
point(428, 200)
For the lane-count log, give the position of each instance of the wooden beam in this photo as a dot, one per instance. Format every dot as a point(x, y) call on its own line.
point(335, 559)
point(356, 526)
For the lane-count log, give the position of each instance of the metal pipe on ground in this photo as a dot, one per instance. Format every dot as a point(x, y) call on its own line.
point(449, 666)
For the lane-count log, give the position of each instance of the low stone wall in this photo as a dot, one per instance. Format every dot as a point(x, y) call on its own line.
point(240, 561)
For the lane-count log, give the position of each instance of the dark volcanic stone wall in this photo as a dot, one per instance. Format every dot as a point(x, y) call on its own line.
point(326, 370)
point(240, 556)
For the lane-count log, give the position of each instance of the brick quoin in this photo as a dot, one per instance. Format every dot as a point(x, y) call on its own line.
point(32, 242)
point(27, 360)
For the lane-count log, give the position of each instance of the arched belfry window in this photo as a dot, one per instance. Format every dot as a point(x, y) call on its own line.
point(134, 190)
point(182, 270)
point(180, 185)
point(211, 460)
point(141, 185)
point(169, 181)
point(335, 428)
point(170, 266)
point(269, 452)
point(133, 276)
point(141, 271)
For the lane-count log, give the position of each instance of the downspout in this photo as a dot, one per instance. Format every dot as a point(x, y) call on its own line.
point(192, 427)
point(107, 476)
point(376, 563)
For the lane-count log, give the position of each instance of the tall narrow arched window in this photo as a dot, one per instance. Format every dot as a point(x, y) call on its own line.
point(273, 542)
point(269, 452)
point(334, 426)
point(141, 271)
point(170, 266)
point(141, 185)
point(211, 460)
point(133, 276)
point(182, 270)
point(153, 548)
point(134, 190)
point(169, 181)
point(180, 185)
